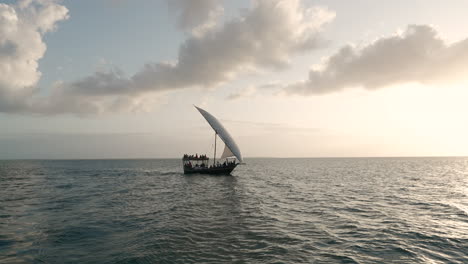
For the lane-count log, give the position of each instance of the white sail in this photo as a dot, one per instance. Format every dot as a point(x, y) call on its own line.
point(227, 153)
point(222, 133)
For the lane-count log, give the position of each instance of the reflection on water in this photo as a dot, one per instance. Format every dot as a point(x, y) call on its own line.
point(269, 211)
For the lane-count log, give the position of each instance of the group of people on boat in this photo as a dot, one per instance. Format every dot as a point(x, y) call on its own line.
point(225, 164)
point(190, 165)
point(195, 157)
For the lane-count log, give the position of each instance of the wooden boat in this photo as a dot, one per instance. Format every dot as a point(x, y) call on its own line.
point(226, 163)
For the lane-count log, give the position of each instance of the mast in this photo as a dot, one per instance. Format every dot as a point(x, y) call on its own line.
point(214, 157)
point(222, 133)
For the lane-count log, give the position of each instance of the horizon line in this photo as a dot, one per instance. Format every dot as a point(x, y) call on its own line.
point(253, 157)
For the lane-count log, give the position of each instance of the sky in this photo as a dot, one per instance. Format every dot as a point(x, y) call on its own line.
point(288, 78)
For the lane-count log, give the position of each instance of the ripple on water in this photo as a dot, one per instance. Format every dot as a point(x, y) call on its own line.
point(269, 211)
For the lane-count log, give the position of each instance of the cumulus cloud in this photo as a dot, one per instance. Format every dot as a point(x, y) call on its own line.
point(22, 27)
point(21, 46)
point(196, 16)
point(418, 54)
point(264, 37)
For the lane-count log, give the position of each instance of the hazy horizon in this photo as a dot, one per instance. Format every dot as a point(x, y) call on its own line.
point(245, 158)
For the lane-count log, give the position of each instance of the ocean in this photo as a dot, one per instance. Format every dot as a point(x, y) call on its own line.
point(331, 210)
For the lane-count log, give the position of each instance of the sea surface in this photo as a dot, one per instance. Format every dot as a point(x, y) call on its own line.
point(357, 210)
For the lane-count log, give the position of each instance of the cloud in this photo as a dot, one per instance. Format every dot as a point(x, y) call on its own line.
point(264, 37)
point(196, 16)
point(246, 92)
point(21, 30)
point(416, 55)
point(22, 27)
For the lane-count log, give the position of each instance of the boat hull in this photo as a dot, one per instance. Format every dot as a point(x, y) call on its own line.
point(214, 171)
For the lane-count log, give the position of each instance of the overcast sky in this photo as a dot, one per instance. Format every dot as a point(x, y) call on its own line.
point(288, 78)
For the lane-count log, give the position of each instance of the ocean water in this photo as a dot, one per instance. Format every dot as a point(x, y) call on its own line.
point(378, 210)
